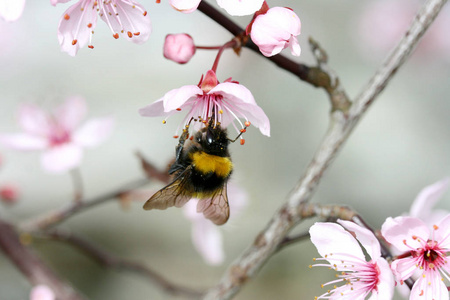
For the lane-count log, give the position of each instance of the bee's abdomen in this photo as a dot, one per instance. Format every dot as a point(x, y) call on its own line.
point(206, 164)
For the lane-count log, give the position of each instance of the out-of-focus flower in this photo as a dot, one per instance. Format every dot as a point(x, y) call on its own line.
point(276, 30)
point(342, 252)
point(179, 47)
point(427, 255)
point(57, 134)
point(206, 236)
point(42, 292)
point(9, 193)
point(228, 100)
point(427, 199)
point(11, 10)
point(382, 23)
point(125, 17)
point(233, 7)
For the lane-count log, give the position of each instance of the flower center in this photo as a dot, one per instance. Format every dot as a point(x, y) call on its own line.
point(431, 256)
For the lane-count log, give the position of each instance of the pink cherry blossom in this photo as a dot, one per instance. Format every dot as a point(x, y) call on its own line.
point(427, 199)
point(276, 30)
point(11, 10)
point(42, 292)
point(125, 17)
point(342, 252)
point(57, 134)
point(425, 255)
point(228, 100)
point(179, 47)
point(206, 237)
point(9, 193)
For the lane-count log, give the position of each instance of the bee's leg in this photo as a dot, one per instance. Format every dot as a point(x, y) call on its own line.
point(179, 150)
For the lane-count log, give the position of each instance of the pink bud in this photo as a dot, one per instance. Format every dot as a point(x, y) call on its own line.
point(179, 47)
point(9, 193)
point(276, 30)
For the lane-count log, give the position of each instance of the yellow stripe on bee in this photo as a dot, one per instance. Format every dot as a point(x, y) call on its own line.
point(206, 163)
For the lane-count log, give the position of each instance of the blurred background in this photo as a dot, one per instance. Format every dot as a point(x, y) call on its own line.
point(399, 147)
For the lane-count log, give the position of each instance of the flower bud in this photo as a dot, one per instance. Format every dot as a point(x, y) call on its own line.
point(179, 47)
point(276, 30)
point(9, 194)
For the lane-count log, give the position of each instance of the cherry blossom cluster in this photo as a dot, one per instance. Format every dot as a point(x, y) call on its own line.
point(419, 240)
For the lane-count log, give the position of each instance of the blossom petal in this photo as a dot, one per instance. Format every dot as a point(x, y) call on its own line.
point(427, 198)
point(42, 292)
point(176, 98)
point(155, 109)
point(128, 18)
point(332, 239)
point(11, 10)
point(94, 132)
point(404, 268)
point(240, 7)
point(61, 158)
point(442, 234)
point(23, 141)
point(185, 6)
point(429, 287)
point(386, 282)
point(34, 120)
point(71, 112)
point(206, 237)
point(365, 237)
point(237, 92)
point(76, 26)
point(401, 230)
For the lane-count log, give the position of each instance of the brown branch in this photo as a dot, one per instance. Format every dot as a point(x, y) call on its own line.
point(341, 125)
point(107, 260)
point(57, 216)
point(31, 266)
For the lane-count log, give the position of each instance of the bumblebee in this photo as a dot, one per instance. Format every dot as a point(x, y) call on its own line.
point(201, 170)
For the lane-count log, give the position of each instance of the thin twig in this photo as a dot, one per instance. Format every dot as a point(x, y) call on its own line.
point(290, 240)
point(113, 262)
point(341, 125)
point(31, 266)
point(57, 216)
point(77, 180)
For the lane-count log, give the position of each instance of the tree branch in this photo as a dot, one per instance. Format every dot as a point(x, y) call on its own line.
point(113, 262)
point(31, 266)
point(341, 125)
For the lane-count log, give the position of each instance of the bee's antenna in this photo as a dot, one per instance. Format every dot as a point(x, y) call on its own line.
point(247, 124)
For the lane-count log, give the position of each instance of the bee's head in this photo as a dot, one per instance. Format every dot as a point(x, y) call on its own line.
point(214, 140)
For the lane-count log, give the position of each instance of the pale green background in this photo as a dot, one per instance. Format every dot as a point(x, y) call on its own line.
point(398, 148)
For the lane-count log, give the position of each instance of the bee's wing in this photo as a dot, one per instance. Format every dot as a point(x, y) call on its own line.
point(216, 208)
point(172, 194)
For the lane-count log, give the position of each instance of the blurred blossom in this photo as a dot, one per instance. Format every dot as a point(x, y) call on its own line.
point(206, 236)
point(233, 7)
point(179, 47)
point(341, 252)
point(11, 10)
point(382, 24)
point(422, 206)
point(425, 255)
point(276, 30)
point(57, 133)
point(42, 292)
point(229, 100)
point(9, 193)
point(125, 17)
